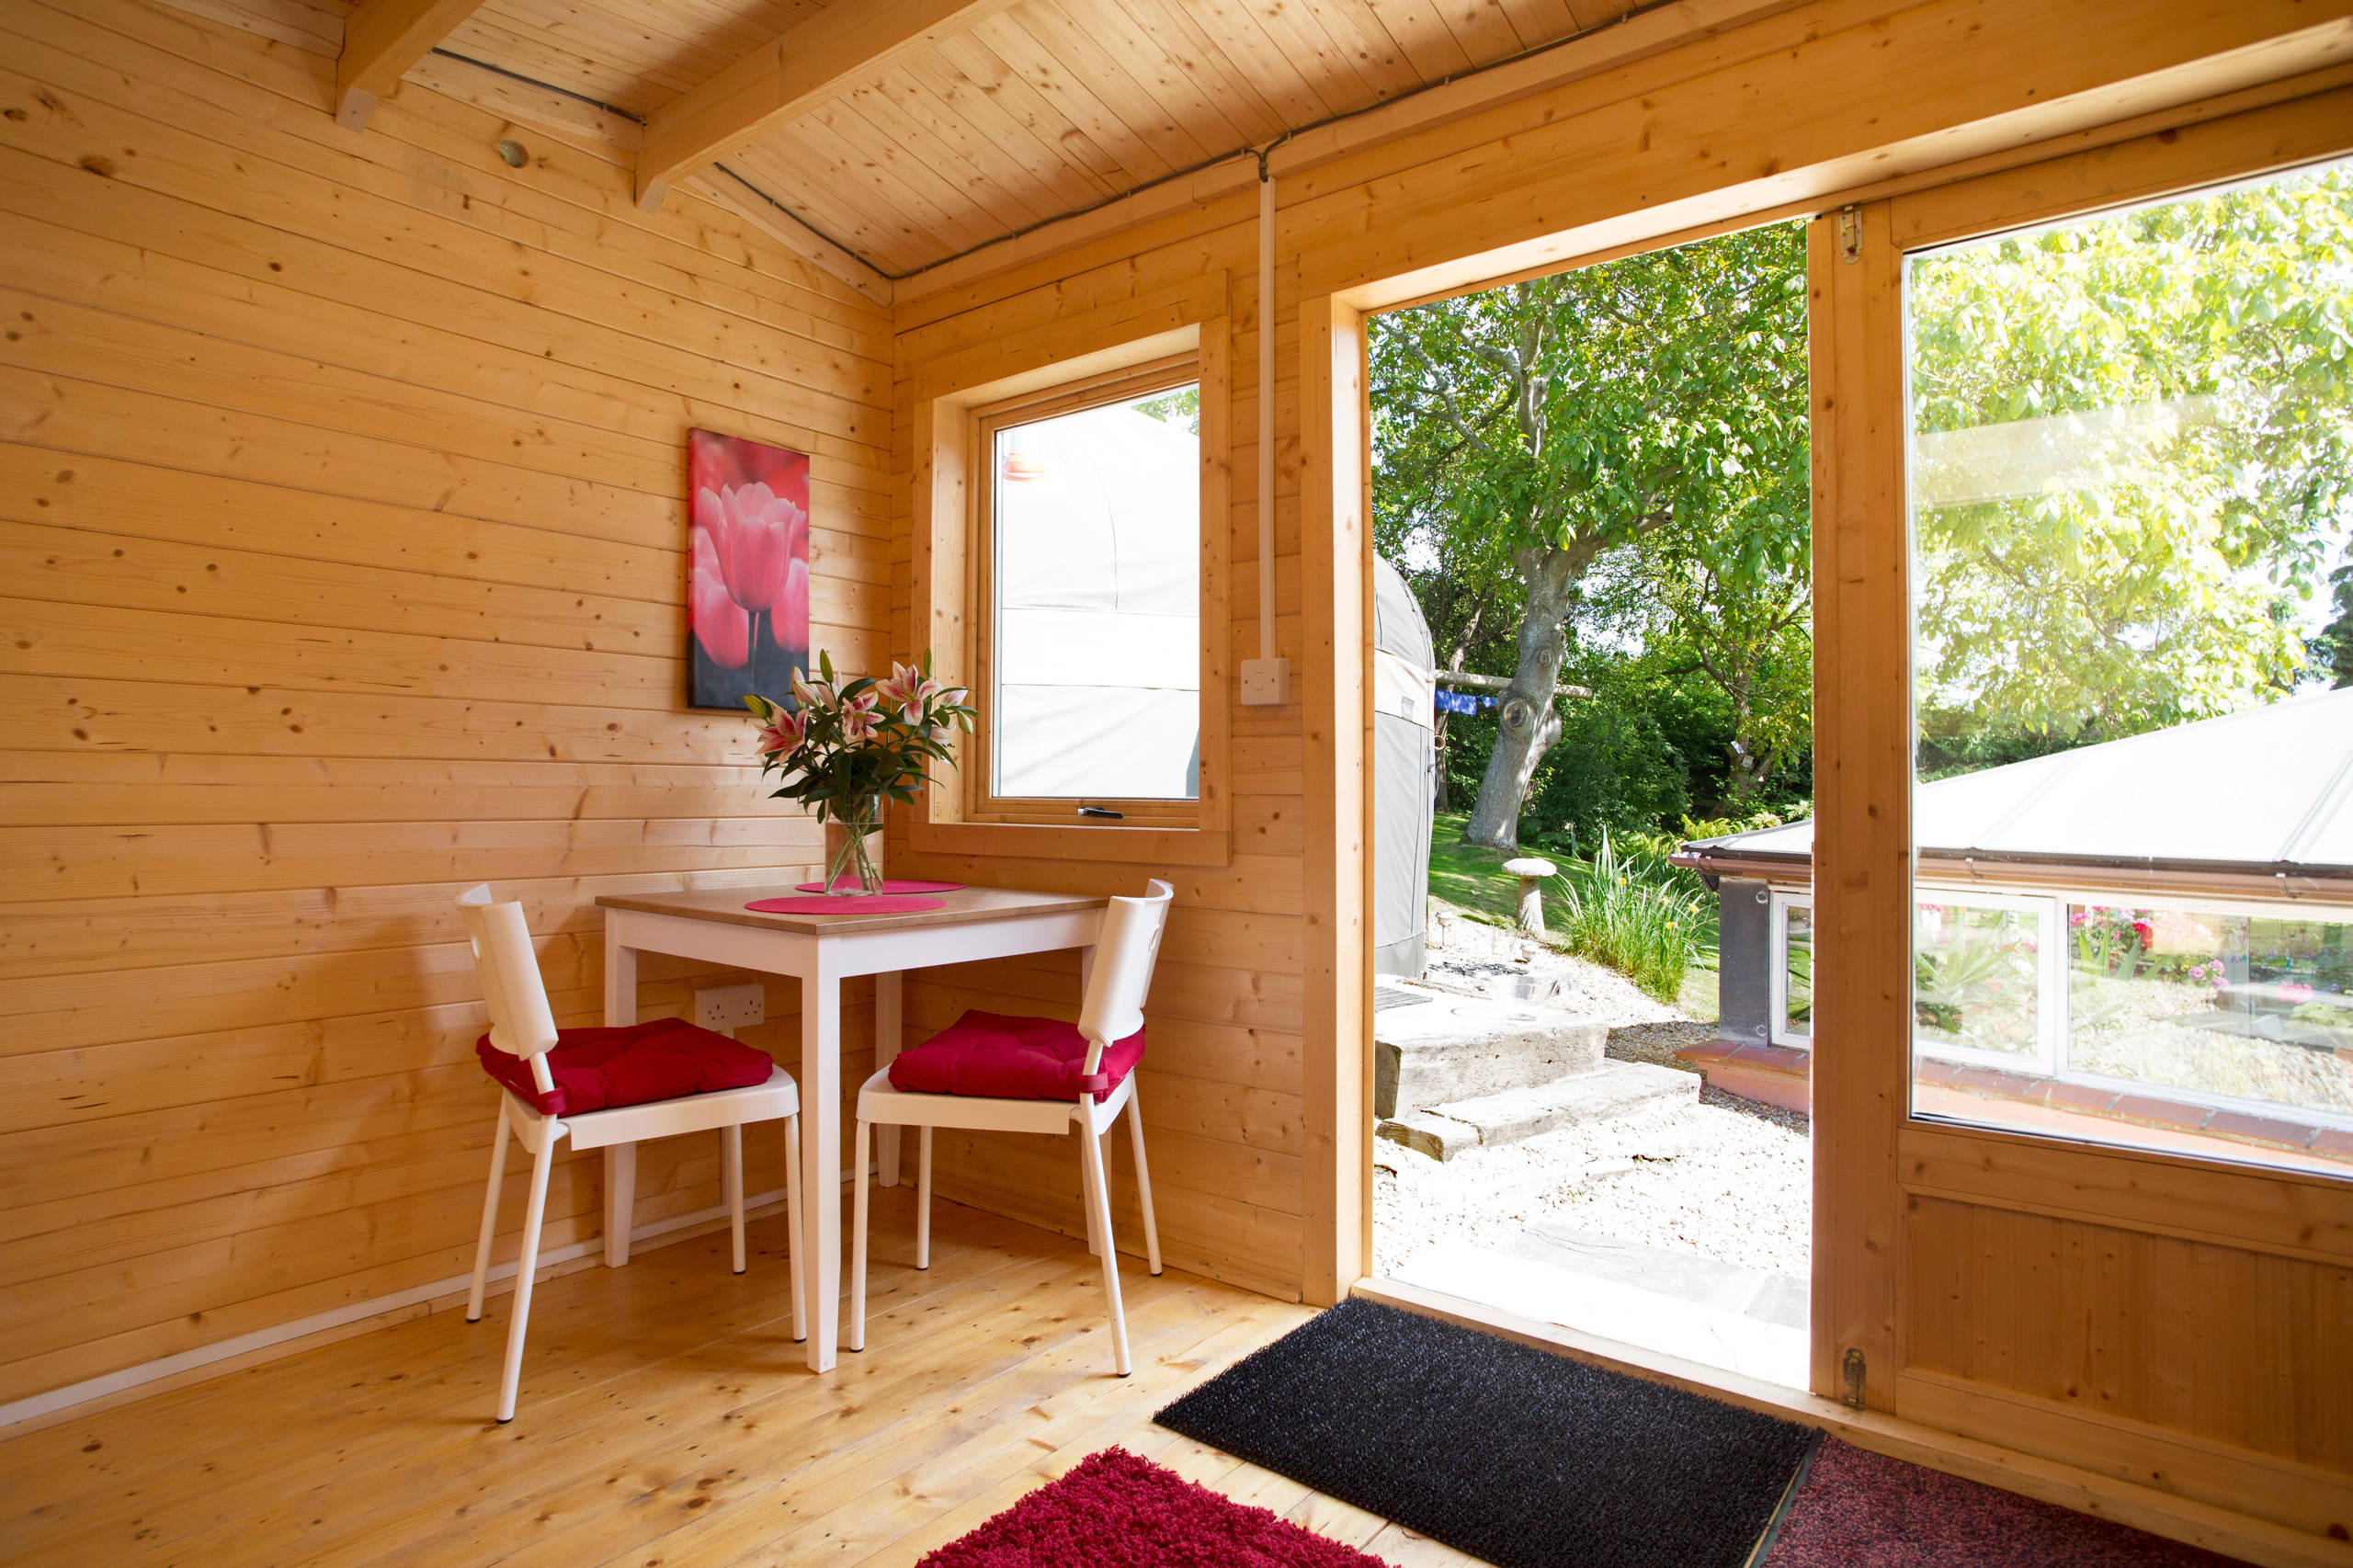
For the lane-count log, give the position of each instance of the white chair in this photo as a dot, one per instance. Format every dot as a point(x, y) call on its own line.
point(1118, 977)
point(523, 1026)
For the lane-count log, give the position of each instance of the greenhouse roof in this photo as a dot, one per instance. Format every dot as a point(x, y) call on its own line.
point(2268, 790)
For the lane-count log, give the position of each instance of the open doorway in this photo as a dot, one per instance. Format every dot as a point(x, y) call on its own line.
point(1592, 622)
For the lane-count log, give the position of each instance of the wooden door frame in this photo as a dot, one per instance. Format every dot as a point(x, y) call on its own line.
point(1335, 592)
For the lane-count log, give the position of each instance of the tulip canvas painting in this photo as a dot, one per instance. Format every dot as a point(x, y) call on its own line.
point(748, 568)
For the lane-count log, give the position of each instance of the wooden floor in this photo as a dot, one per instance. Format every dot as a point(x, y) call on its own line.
point(666, 1418)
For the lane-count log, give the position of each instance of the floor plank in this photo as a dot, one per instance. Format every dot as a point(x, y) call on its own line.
point(664, 1415)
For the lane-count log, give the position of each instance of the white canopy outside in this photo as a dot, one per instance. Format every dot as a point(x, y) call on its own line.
point(1098, 584)
point(2267, 790)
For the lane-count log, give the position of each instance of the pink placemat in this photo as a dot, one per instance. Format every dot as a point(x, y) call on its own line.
point(853, 903)
point(890, 884)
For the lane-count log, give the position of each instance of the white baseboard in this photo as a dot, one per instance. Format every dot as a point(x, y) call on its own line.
point(35, 1407)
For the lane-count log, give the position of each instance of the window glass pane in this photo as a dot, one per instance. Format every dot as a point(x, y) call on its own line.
point(2224, 1007)
point(1797, 1012)
point(2130, 481)
point(1977, 980)
point(1097, 668)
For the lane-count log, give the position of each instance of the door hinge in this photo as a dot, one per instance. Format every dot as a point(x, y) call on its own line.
point(1853, 1392)
point(1850, 233)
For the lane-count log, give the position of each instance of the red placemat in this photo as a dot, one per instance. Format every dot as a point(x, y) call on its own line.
point(849, 903)
point(890, 884)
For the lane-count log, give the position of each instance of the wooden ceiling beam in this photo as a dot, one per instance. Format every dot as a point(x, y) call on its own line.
point(722, 189)
point(847, 42)
point(381, 38)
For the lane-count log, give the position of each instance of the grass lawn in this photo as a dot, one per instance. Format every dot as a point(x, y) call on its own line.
point(1471, 880)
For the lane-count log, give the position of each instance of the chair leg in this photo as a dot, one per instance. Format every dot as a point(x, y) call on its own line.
point(922, 1202)
point(525, 1266)
point(858, 1158)
point(731, 1172)
point(792, 1209)
point(1086, 1194)
point(1143, 1180)
point(1090, 1153)
point(489, 1214)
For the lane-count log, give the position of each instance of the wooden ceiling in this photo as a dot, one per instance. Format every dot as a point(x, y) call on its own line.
point(909, 132)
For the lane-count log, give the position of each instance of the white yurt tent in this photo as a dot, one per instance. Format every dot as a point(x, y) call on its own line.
point(1405, 772)
point(1097, 660)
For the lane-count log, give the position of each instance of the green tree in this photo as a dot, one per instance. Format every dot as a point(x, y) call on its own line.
point(2133, 456)
point(1547, 423)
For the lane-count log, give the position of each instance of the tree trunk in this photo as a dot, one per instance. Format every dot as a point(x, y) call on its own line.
point(1528, 725)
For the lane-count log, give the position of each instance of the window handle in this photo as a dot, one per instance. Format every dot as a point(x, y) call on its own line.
point(1099, 812)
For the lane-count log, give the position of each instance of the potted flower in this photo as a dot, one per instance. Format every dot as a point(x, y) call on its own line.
point(843, 749)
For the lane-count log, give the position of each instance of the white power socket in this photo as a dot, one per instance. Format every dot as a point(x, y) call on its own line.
point(731, 1007)
point(1266, 683)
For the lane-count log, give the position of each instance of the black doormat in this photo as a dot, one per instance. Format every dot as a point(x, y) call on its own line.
point(1513, 1454)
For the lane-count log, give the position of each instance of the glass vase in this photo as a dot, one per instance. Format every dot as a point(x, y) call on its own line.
point(851, 869)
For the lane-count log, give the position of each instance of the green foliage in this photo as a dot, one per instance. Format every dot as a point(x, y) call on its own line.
point(1181, 408)
point(2134, 451)
point(1631, 436)
point(1633, 910)
point(1570, 408)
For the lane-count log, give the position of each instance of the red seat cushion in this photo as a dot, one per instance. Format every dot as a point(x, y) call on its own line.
point(990, 1055)
point(662, 1059)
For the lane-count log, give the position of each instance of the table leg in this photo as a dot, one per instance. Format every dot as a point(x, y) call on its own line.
point(887, 1029)
point(820, 1158)
point(621, 1159)
point(620, 1201)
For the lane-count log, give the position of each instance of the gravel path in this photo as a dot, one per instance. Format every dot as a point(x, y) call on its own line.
point(1726, 1178)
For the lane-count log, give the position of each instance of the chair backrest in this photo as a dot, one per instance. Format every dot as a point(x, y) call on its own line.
point(521, 1022)
point(1124, 954)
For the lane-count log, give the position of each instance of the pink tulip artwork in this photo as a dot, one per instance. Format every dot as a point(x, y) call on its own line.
point(747, 564)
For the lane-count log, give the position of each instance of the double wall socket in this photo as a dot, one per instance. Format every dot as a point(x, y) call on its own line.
point(731, 1007)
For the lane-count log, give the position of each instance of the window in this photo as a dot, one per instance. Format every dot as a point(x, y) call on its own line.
point(1088, 543)
point(2126, 441)
point(1981, 991)
point(1793, 969)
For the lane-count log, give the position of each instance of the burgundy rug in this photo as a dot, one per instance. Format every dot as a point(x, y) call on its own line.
point(1118, 1511)
point(1863, 1510)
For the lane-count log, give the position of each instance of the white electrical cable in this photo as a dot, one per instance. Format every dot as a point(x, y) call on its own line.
point(1265, 409)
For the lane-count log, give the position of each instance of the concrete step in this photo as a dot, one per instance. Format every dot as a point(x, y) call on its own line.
point(1607, 1091)
point(1431, 1047)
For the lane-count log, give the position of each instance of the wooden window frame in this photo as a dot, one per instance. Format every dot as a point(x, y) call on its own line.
point(1093, 351)
point(982, 802)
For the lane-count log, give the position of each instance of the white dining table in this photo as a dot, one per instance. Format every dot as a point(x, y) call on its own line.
point(820, 950)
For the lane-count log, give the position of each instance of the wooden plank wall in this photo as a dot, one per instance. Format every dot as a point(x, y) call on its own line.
point(342, 513)
point(1221, 1088)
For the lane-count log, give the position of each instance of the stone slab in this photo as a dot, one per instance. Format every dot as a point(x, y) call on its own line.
point(1605, 1093)
point(1609, 1091)
point(1454, 1047)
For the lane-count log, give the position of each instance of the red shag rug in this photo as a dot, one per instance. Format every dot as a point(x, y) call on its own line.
point(1118, 1511)
point(1864, 1510)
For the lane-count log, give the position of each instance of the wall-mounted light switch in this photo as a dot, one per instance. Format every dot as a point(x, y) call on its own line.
point(1266, 683)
